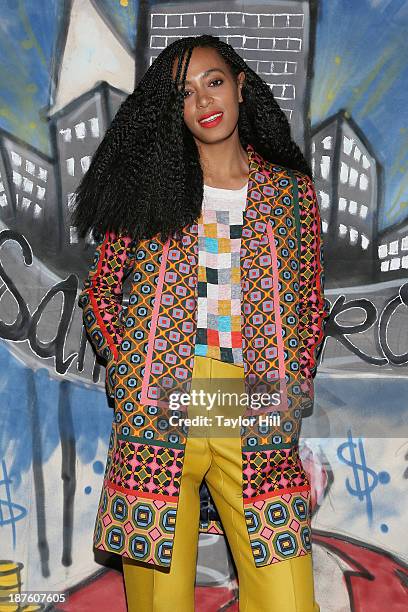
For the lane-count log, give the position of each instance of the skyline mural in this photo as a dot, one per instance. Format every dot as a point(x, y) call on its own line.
point(371, 90)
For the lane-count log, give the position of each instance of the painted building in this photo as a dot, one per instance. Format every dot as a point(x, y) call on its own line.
point(28, 192)
point(274, 39)
point(393, 252)
point(347, 180)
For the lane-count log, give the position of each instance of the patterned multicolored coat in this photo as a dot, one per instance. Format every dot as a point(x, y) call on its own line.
point(149, 346)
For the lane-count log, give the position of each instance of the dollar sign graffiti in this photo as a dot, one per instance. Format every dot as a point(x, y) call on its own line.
point(369, 479)
point(10, 512)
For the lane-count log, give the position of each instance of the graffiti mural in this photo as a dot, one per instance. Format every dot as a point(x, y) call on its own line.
point(338, 70)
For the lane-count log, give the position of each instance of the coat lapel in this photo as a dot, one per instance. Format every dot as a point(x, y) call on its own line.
point(256, 212)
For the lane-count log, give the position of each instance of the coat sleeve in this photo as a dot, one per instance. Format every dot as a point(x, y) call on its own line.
point(313, 308)
point(101, 298)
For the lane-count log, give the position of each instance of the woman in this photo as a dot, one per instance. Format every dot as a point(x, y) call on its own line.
point(198, 192)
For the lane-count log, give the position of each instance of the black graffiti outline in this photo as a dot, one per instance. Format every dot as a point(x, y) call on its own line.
point(25, 325)
point(342, 332)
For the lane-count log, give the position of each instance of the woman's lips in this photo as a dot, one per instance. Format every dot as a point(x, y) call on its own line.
point(211, 122)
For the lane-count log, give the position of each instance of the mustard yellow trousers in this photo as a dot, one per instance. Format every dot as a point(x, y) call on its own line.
point(286, 586)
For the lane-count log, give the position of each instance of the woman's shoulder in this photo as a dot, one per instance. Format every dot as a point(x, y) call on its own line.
point(303, 184)
point(285, 171)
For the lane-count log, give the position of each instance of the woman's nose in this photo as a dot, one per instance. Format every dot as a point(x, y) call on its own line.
point(203, 99)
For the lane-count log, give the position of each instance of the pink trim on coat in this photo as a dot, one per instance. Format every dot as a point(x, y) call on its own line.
point(148, 363)
point(278, 320)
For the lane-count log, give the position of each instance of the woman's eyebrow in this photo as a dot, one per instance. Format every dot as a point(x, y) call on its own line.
point(207, 72)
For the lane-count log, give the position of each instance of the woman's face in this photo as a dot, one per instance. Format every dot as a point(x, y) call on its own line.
point(210, 89)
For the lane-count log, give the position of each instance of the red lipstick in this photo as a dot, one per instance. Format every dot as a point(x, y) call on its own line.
point(217, 118)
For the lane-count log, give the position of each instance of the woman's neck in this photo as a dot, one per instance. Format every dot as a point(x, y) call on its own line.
point(224, 165)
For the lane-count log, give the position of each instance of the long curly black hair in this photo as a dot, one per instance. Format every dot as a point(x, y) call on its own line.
point(145, 178)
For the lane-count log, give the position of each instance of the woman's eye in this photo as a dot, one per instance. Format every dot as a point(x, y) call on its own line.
point(186, 91)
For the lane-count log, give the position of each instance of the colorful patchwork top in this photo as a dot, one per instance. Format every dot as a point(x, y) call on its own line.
point(219, 289)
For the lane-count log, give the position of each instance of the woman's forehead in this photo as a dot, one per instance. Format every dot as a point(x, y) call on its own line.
point(201, 60)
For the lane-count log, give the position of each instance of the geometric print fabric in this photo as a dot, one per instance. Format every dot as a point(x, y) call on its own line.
point(152, 346)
